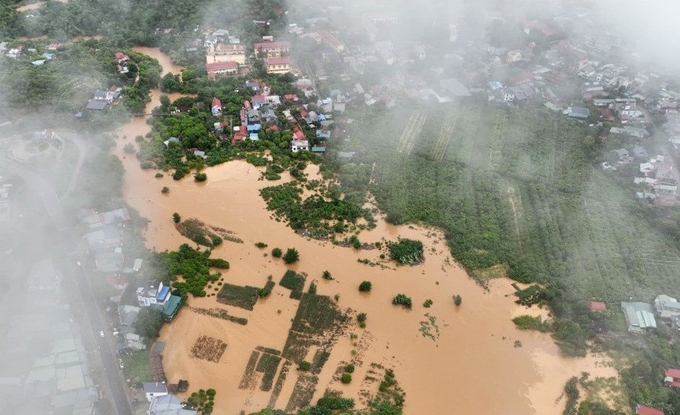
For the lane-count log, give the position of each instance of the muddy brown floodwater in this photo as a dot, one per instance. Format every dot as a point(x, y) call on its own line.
point(473, 365)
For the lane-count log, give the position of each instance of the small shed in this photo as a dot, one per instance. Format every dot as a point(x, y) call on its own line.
point(596, 306)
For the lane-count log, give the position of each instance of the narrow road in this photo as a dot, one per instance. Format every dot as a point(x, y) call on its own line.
point(61, 227)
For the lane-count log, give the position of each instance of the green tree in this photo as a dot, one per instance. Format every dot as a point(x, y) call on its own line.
point(365, 286)
point(277, 252)
point(176, 217)
point(291, 256)
point(149, 323)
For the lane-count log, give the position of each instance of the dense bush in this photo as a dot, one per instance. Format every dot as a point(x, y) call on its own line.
point(406, 251)
point(277, 252)
point(291, 256)
point(327, 275)
point(365, 286)
point(176, 217)
point(531, 323)
point(346, 378)
point(402, 300)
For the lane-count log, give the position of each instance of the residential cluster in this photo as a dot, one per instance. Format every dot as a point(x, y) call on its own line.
point(226, 55)
point(309, 125)
point(103, 238)
point(586, 75)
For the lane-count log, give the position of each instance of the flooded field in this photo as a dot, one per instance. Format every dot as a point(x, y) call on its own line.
point(470, 358)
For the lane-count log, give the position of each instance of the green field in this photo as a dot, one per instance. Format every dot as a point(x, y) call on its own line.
point(515, 187)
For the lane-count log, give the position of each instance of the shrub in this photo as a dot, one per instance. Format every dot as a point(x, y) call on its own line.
point(365, 286)
point(346, 378)
point(264, 292)
point(427, 303)
point(327, 275)
point(356, 243)
point(361, 317)
point(216, 241)
point(261, 245)
point(176, 217)
point(525, 322)
point(305, 365)
point(200, 177)
point(402, 300)
point(457, 300)
point(349, 368)
point(291, 256)
point(165, 190)
point(312, 288)
point(276, 252)
point(158, 175)
point(129, 148)
point(178, 175)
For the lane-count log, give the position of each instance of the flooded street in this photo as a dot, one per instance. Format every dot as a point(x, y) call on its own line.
point(477, 361)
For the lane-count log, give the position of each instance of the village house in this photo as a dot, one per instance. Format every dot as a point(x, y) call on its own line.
point(269, 50)
point(672, 377)
point(639, 316)
point(278, 65)
point(299, 145)
point(216, 107)
point(168, 405)
point(153, 293)
point(666, 307)
point(331, 41)
point(580, 113)
point(597, 306)
point(221, 68)
point(647, 410)
point(154, 390)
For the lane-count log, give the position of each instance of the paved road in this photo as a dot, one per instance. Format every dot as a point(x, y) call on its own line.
point(60, 225)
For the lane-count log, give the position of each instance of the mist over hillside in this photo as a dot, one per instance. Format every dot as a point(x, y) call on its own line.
point(541, 137)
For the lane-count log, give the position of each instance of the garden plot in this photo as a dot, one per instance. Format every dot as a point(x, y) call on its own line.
point(238, 296)
point(208, 348)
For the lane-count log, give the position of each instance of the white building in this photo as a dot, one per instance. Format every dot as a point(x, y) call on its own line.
point(154, 293)
point(154, 390)
point(299, 145)
point(666, 307)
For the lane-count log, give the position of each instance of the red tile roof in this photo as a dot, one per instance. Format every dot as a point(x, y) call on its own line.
point(646, 410)
point(216, 103)
point(272, 45)
point(221, 66)
point(278, 61)
point(597, 306)
point(672, 372)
